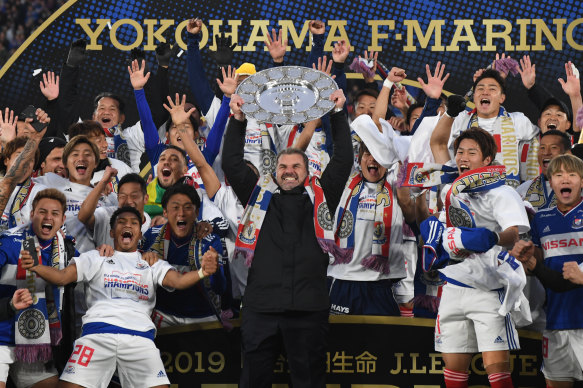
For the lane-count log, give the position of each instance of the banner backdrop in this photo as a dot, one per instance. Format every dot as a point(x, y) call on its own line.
point(379, 352)
point(409, 34)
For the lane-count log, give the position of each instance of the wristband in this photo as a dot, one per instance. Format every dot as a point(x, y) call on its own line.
point(388, 84)
point(201, 274)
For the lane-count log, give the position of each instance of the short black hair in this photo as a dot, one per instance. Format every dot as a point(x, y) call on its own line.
point(565, 139)
point(133, 178)
point(365, 92)
point(125, 209)
point(182, 152)
point(181, 188)
point(485, 141)
point(120, 104)
point(86, 128)
point(491, 73)
point(410, 110)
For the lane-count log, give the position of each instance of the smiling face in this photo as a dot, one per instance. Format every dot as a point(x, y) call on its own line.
point(291, 171)
point(469, 156)
point(54, 163)
point(550, 146)
point(371, 170)
point(107, 113)
point(47, 217)
point(488, 97)
point(131, 194)
point(127, 232)
point(567, 187)
point(81, 163)
point(181, 214)
point(171, 167)
point(101, 143)
point(553, 118)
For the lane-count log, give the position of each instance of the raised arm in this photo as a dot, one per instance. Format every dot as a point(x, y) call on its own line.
point(276, 46)
point(382, 105)
point(432, 90)
point(199, 85)
point(572, 87)
point(59, 277)
point(87, 211)
point(241, 177)
point(208, 266)
point(440, 136)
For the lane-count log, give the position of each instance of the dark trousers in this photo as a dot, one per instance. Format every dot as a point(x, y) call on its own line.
point(304, 336)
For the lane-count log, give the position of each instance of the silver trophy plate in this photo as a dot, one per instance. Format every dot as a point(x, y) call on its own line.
point(287, 95)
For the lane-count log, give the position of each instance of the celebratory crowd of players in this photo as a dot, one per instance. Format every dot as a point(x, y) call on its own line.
point(429, 212)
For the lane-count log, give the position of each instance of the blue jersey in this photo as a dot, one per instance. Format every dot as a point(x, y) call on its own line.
point(560, 236)
point(191, 302)
point(10, 246)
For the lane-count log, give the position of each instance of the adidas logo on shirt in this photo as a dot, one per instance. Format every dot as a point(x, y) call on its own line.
point(498, 340)
point(161, 374)
point(547, 229)
point(69, 189)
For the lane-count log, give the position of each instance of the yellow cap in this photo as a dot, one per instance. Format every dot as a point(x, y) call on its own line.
point(246, 69)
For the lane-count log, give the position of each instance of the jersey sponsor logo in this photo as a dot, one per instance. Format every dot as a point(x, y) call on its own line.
point(69, 189)
point(340, 309)
point(563, 243)
point(161, 374)
point(498, 340)
point(70, 370)
point(547, 229)
point(110, 261)
point(125, 285)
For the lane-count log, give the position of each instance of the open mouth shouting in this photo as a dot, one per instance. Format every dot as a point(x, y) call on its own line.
point(46, 227)
point(463, 167)
point(552, 124)
point(485, 103)
point(106, 121)
point(546, 162)
point(81, 168)
point(166, 172)
point(127, 236)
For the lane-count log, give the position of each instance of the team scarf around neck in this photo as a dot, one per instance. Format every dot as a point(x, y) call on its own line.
point(161, 246)
point(473, 181)
point(39, 326)
point(505, 137)
point(428, 175)
point(538, 195)
point(14, 217)
point(268, 151)
point(346, 223)
point(256, 209)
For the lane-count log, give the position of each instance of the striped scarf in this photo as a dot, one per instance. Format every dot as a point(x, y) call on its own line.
point(473, 181)
point(254, 215)
point(346, 217)
point(538, 196)
point(12, 217)
point(32, 339)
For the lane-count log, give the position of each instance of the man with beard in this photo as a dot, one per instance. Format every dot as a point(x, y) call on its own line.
point(284, 237)
point(117, 329)
point(51, 156)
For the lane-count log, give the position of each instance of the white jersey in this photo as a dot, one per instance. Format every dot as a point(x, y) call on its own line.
point(121, 167)
point(101, 226)
point(228, 203)
point(134, 136)
point(524, 130)
point(121, 290)
point(76, 194)
point(496, 210)
point(420, 150)
point(364, 235)
point(318, 158)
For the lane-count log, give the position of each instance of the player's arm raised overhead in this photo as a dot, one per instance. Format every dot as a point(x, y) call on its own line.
point(60, 277)
point(208, 266)
point(440, 136)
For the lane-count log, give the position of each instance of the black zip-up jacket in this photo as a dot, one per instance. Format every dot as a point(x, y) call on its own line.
point(288, 272)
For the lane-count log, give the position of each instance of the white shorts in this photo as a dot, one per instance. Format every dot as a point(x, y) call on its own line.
point(96, 356)
point(23, 375)
point(161, 319)
point(563, 355)
point(468, 322)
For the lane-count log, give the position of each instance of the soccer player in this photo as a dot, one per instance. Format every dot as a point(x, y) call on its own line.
point(470, 318)
point(556, 240)
point(117, 329)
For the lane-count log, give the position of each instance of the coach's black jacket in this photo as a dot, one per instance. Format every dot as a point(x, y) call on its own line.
point(288, 272)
